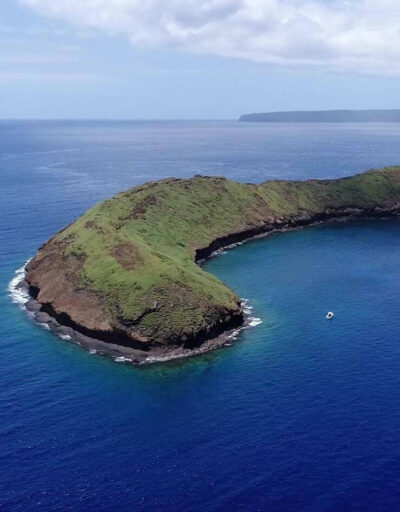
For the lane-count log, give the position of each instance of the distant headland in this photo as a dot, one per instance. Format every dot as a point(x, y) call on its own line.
point(324, 116)
point(124, 280)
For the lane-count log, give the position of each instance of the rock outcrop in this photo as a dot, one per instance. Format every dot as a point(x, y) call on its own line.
point(127, 272)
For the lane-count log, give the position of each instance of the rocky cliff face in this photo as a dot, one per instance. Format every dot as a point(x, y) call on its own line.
point(125, 272)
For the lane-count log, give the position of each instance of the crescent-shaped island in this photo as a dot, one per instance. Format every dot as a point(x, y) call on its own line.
point(124, 279)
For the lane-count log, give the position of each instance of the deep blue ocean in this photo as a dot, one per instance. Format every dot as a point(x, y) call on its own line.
point(299, 415)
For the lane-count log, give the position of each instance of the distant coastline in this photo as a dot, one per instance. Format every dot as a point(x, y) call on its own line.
point(324, 116)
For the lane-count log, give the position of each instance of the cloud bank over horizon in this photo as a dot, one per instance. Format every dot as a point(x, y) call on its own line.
point(361, 36)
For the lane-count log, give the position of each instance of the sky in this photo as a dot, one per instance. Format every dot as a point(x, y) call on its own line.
point(195, 59)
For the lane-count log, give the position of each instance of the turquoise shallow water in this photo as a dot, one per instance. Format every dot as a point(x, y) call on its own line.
point(301, 414)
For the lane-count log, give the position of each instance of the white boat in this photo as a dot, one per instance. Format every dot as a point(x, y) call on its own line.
point(329, 315)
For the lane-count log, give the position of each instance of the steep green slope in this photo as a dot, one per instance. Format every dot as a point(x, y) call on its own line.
point(125, 271)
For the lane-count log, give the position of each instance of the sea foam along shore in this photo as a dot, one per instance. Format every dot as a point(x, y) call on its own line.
point(19, 294)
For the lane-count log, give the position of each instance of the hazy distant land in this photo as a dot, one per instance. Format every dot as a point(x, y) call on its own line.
point(325, 116)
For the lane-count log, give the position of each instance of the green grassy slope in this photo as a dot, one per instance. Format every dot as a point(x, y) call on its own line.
point(137, 250)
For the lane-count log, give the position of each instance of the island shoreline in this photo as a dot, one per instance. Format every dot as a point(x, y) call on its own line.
point(228, 333)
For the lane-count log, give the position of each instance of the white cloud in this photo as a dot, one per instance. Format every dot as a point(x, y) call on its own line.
point(341, 35)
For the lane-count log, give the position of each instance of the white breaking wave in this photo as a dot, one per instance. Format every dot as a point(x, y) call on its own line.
point(233, 336)
point(255, 321)
point(225, 249)
point(247, 309)
point(218, 252)
point(18, 293)
point(122, 359)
